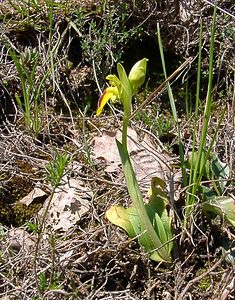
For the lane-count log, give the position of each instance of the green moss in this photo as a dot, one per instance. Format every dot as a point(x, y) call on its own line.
point(5, 214)
point(204, 284)
point(18, 187)
point(12, 212)
point(22, 213)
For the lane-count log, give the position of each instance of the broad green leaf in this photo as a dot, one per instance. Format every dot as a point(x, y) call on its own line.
point(157, 195)
point(143, 237)
point(160, 230)
point(157, 205)
point(128, 219)
point(208, 192)
point(162, 226)
point(192, 161)
point(213, 169)
point(154, 255)
point(221, 171)
point(119, 216)
point(228, 245)
point(223, 206)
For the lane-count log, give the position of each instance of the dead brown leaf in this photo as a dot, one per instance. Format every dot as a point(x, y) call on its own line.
point(69, 203)
point(32, 196)
point(147, 161)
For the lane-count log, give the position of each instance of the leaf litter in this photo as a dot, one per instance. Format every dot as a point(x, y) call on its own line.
point(70, 202)
point(147, 161)
point(34, 195)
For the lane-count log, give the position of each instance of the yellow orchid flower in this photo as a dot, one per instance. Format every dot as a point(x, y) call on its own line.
point(110, 93)
point(123, 87)
point(149, 222)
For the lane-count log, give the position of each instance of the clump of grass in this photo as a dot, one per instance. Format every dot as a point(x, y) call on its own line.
point(202, 162)
point(158, 123)
point(29, 102)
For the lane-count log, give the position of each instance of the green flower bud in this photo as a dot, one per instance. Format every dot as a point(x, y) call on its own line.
point(137, 74)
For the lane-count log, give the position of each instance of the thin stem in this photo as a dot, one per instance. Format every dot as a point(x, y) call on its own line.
point(124, 131)
point(40, 230)
point(190, 196)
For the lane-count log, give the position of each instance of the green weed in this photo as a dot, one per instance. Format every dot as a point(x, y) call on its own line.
point(26, 66)
point(103, 40)
point(55, 170)
point(158, 123)
point(32, 227)
point(202, 163)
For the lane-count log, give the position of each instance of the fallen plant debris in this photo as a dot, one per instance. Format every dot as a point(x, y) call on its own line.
point(68, 205)
point(147, 160)
point(33, 195)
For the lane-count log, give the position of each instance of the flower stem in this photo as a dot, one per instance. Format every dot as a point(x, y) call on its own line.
point(124, 131)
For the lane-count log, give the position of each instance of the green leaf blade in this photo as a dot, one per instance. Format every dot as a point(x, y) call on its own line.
point(223, 206)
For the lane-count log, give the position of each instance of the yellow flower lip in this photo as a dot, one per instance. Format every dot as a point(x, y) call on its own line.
point(110, 93)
